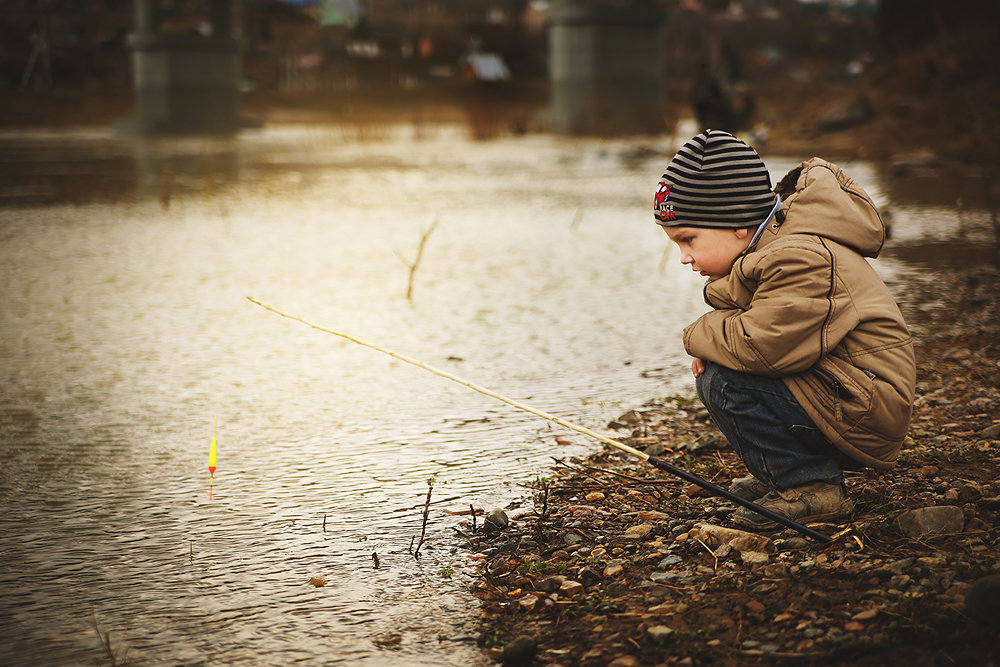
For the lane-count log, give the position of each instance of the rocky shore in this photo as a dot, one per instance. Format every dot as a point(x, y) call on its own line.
point(613, 562)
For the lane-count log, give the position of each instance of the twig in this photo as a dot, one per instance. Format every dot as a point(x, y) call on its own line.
point(110, 652)
point(542, 516)
point(473, 510)
point(423, 527)
point(416, 262)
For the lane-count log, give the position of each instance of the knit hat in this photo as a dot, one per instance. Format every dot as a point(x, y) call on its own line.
point(715, 180)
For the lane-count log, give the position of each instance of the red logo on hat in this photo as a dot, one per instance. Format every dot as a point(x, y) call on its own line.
point(662, 209)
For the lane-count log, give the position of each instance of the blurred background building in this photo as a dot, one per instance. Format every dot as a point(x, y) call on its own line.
point(650, 61)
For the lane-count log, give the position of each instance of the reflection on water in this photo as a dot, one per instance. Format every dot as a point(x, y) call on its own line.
point(124, 268)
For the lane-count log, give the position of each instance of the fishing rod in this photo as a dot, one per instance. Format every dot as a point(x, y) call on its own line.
point(655, 462)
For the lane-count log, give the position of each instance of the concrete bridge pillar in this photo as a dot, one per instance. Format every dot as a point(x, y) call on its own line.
point(184, 83)
point(605, 67)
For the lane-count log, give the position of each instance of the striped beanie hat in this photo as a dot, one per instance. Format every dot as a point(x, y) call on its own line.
point(715, 180)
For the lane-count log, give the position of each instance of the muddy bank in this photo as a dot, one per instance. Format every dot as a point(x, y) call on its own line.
point(613, 562)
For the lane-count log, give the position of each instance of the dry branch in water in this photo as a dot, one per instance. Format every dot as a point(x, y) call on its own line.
point(416, 262)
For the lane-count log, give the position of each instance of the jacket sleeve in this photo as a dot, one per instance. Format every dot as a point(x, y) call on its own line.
point(774, 313)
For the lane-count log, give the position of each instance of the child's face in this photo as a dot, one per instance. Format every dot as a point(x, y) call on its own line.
point(710, 252)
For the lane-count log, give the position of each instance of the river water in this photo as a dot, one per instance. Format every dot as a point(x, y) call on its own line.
point(127, 336)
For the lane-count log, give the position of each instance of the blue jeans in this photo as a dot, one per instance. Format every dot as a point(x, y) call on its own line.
point(768, 429)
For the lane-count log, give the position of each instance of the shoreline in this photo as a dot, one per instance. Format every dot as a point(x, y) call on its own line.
point(615, 563)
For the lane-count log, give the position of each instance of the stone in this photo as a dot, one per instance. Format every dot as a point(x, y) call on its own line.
point(571, 588)
point(528, 602)
point(639, 532)
point(672, 559)
point(659, 633)
point(594, 495)
point(991, 432)
point(550, 583)
point(613, 569)
point(496, 521)
point(645, 516)
point(753, 557)
point(519, 651)
point(624, 661)
point(740, 540)
point(940, 520)
point(982, 600)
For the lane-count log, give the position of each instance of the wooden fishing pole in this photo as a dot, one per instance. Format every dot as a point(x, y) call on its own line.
point(655, 462)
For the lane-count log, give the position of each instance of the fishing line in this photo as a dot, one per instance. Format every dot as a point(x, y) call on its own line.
point(655, 462)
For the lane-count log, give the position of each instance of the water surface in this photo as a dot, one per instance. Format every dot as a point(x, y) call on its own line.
point(124, 267)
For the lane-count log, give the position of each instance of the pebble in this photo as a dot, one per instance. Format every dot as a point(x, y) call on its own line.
point(664, 564)
point(624, 661)
point(639, 532)
point(520, 651)
point(982, 600)
point(941, 520)
point(659, 632)
point(496, 521)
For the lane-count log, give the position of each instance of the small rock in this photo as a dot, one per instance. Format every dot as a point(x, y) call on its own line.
point(969, 492)
point(528, 602)
point(665, 564)
point(550, 583)
point(866, 615)
point(659, 633)
point(942, 520)
point(982, 600)
point(571, 588)
point(624, 661)
point(723, 551)
point(595, 495)
point(753, 557)
point(496, 521)
point(317, 581)
point(991, 432)
point(630, 417)
point(638, 532)
point(613, 569)
point(520, 651)
point(740, 540)
point(645, 516)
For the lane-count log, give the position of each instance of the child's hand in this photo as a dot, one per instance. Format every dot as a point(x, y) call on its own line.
point(697, 367)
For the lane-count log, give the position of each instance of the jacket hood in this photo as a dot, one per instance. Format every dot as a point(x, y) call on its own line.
point(820, 198)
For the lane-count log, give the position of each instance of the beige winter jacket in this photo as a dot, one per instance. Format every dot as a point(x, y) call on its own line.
point(804, 305)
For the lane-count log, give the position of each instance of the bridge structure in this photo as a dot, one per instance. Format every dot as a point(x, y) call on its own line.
point(184, 83)
point(604, 69)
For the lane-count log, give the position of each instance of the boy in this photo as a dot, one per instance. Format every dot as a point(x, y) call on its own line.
point(805, 363)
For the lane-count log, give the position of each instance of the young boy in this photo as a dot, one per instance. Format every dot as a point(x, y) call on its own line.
point(805, 363)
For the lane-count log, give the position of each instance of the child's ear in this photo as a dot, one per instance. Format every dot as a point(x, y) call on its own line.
point(742, 232)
